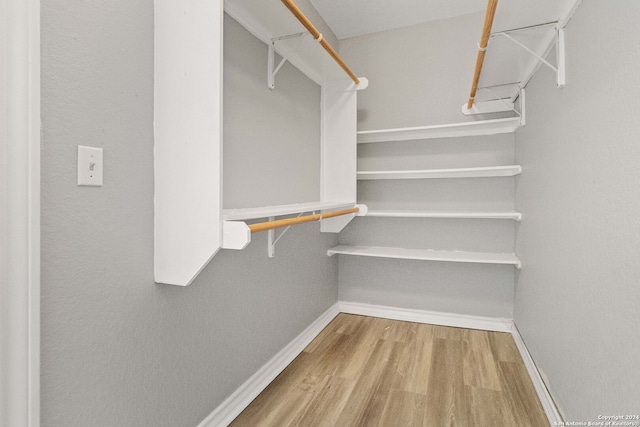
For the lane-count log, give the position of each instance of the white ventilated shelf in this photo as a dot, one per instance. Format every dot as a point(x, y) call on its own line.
point(484, 127)
point(280, 210)
point(427, 255)
point(493, 171)
point(517, 216)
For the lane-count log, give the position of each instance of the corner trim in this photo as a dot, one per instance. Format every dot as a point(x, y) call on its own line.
point(432, 317)
point(228, 410)
point(20, 141)
point(541, 389)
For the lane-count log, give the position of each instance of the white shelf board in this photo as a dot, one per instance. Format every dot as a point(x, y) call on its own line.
point(270, 19)
point(517, 216)
point(280, 210)
point(427, 255)
point(484, 127)
point(492, 171)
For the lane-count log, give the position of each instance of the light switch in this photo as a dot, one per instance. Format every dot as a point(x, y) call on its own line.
point(89, 166)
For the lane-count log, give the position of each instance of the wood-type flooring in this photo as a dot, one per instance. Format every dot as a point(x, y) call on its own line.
point(366, 371)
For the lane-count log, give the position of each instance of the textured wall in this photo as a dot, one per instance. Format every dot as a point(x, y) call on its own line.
point(484, 290)
point(577, 296)
point(271, 155)
point(117, 349)
point(421, 76)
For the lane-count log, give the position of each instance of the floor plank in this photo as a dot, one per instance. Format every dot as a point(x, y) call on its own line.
point(446, 399)
point(365, 371)
point(480, 369)
point(404, 408)
point(365, 407)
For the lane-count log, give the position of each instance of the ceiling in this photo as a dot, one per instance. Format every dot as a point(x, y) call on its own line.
point(351, 18)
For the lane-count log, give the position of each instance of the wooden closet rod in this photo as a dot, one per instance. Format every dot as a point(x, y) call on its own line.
point(482, 47)
point(318, 37)
point(264, 226)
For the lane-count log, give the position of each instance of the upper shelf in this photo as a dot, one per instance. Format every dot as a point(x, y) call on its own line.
point(483, 172)
point(269, 21)
point(508, 66)
point(280, 210)
point(484, 127)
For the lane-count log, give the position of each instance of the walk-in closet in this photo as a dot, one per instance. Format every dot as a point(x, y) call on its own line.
point(320, 213)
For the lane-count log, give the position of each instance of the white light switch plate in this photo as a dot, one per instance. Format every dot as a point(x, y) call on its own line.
point(89, 166)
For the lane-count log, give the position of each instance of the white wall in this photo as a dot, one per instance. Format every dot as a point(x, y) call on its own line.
point(118, 349)
point(578, 294)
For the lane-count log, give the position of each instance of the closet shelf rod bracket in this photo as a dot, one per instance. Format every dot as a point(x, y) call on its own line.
point(560, 55)
point(237, 234)
point(317, 36)
point(272, 69)
point(498, 105)
point(271, 237)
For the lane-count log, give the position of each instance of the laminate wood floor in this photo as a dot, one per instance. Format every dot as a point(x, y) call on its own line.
point(366, 371)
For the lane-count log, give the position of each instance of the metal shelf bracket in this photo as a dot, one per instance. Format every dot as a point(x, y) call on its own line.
point(560, 55)
point(272, 239)
point(273, 69)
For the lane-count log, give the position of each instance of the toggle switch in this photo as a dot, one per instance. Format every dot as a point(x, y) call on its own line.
point(89, 166)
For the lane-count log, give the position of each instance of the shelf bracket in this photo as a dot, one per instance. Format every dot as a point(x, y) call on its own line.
point(273, 69)
point(272, 239)
point(560, 55)
point(498, 105)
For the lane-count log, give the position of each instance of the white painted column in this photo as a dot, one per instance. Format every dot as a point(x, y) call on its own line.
point(20, 213)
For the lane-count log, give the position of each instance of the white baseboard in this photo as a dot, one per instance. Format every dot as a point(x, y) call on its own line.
point(228, 410)
point(432, 317)
point(541, 389)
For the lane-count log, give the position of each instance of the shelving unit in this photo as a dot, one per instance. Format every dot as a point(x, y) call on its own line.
point(190, 226)
point(484, 172)
point(484, 127)
point(516, 216)
point(425, 133)
point(274, 25)
point(522, 36)
point(237, 234)
point(427, 255)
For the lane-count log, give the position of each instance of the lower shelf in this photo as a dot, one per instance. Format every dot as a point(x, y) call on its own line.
point(427, 255)
point(517, 216)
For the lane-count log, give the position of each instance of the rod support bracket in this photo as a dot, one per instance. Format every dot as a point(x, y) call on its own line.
point(273, 69)
point(559, 68)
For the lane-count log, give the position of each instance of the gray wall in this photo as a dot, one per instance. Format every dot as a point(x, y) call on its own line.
point(271, 154)
point(418, 76)
point(415, 80)
point(578, 294)
point(117, 349)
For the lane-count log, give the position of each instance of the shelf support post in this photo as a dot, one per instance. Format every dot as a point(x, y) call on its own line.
point(271, 240)
point(560, 58)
